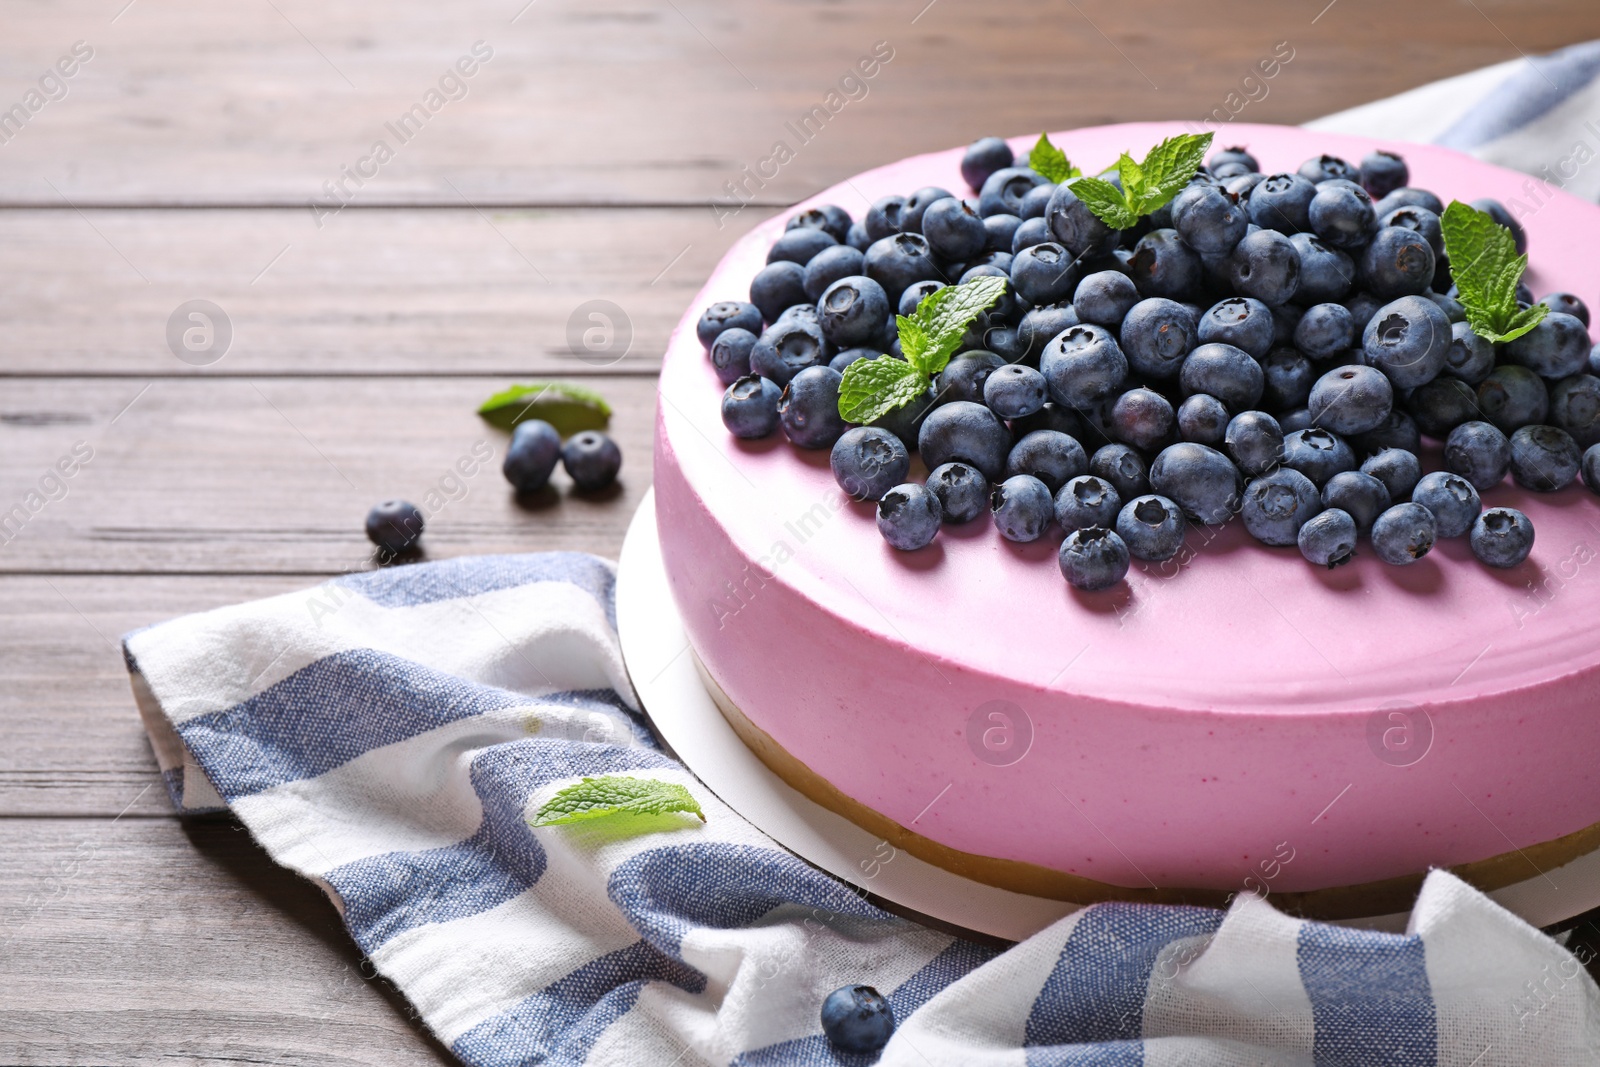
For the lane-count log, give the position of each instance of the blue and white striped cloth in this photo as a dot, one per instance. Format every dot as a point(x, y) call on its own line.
point(387, 733)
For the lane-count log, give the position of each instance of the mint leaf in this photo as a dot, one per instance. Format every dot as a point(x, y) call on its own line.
point(1486, 268)
point(1107, 202)
point(569, 408)
point(874, 387)
point(1048, 160)
point(1132, 177)
point(1168, 168)
point(941, 320)
point(599, 798)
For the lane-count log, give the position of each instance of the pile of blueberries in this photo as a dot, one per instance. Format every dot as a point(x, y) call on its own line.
point(1271, 346)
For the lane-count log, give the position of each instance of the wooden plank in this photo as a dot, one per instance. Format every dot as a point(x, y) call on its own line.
point(148, 941)
point(391, 291)
point(276, 476)
point(607, 101)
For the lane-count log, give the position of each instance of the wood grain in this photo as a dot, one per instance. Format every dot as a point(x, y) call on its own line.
point(155, 941)
point(276, 476)
point(622, 101)
point(438, 292)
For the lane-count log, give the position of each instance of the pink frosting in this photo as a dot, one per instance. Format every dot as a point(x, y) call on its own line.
point(1199, 719)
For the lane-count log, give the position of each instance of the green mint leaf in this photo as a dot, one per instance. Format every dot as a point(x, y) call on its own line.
point(1167, 169)
point(1524, 320)
point(1106, 201)
point(569, 408)
point(1131, 174)
point(941, 320)
point(914, 340)
point(599, 798)
point(1486, 268)
point(1051, 162)
point(874, 387)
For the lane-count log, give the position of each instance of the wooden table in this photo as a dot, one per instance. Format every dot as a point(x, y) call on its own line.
point(578, 162)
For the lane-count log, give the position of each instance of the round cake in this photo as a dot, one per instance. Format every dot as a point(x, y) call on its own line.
point(1233, 719)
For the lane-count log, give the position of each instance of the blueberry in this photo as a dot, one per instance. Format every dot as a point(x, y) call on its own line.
point(1255, 441)
point(954, 230)
point(1045, 273)
point(1209, 219)
point(1383, 172)
point(1351, 400)
point(1575, 408)
point(1421, 221)
point(1104, 298)
point(1497, 211)
point(1157, 334)
point(1006, 342)
point(1327, 168)
point(1317, 453)
point(806, 312)
point(1343, 215)
point(1408, 340)
point(1022, 508)
point(962, 491)
point(1265, 265)
point(1242, 185)
point(1144, 419)
point(592, 460)
point(1396, 468)
point(1326, 273)
point(1590, 468)
point(1361, 496)
point(965, 376)
point(1202, 481)
point(915, 293)
point(1544, 458)
point(1203, 419)
point(1443, 404)
point(1082, 365)
point(1406, 196)
point(1555, 348)
point(1397, 262)
point(1452, 500)
point(1294, 419)
point(1479, 452)
point(1501, 537)
point(535, 447)
point(1087, 501)
point(1396, 431)
point(750, 407)
point(856, 237)
point(395, 525)
point(778, 286)
point(1035, 202)
point(1051, 456)
point(850, 355)
point(983, 157)
point(787, 348)
point(1328, 539)
point(1513, 397)
point(1285, 320)
point(868, 461)
point(1282, 202)
point(852, 311)
point(1077, 228)
point(1277, 504)
point(1241, 322)
point(730, 354)
point(1325, 330)
point(1123, 467)
point(727, 315)
point(918, 203)
point(1031, 232)
point(962, 430)
point(883, 217)
point(1000, 232)
point(1470, 357)
point(1287, 377)
point(831, 218)
point(1225, 372)
point(800, 246)
point(1568, 304)
point(1164, 265)
point(809, 408)
point(909, 516)
point(1003, 191)
point(1404, 534)
point(1363, 308)
point(828, 266)
point(1231, 155)
point(1449, 305)
point(900, 261)
point(1014, 391)
point(906, 422)
point(1152, 527)
point(1093, 559)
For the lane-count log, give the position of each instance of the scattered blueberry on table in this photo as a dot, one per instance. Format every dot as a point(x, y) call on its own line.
point(857, 1018)
point(394, 526)
point(1169, 342)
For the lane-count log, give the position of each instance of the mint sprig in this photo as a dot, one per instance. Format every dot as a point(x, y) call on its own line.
point(1146, 186)
point(614, 795)
point(1051, 162)
point(569, 408)
point(1487, 269)
point(929, 337)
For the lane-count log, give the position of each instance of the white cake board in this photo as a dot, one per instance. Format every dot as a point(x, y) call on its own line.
point(661, 666)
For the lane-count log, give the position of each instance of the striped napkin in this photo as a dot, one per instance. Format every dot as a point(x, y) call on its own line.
point(388, 733)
